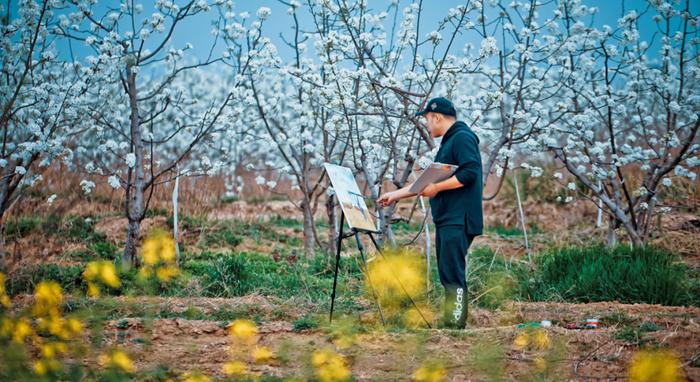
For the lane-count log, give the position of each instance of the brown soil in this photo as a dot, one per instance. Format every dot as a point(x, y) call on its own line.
point(588, 354)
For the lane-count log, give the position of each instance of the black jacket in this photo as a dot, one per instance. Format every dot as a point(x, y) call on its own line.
point(461, 206)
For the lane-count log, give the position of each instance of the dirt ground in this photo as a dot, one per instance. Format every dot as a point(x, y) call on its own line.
point(594, 354)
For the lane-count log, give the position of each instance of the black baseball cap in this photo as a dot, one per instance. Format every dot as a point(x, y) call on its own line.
point(440, 105)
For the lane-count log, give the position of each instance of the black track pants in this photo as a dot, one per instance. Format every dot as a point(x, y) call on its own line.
point(452, 246)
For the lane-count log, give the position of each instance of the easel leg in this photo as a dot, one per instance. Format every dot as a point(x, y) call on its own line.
point(337, 264)
point(369, 278)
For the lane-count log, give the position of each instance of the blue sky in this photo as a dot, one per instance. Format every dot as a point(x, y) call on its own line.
point(196, 30)
point(433, 11)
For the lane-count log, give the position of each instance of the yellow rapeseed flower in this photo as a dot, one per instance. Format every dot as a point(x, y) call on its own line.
point(414, 318)
point(100, 271)
point(4, 298)
point(74, 326)
point(540, 364)
point(20, 330)
point(165, 273)
point(93, 290)
point(6, 327)
point(48, 298)
point(117, 359)
point(158, 247)
point(521, 341)
point(108, 274)
point(235, 368)
point(649, 365)
point(396, 274)
point(92, 271)
point(52, 349)
point(195, 377)
point(329, 366)
point(540, 339)
point(262, 355)
point(430, 372)
point(45, 366)
point(158, 254)
point(243, 330)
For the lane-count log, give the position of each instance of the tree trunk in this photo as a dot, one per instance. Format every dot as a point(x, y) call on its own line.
point(135, 211)
point(309, 238)
point(612, 237)
point(132, 237)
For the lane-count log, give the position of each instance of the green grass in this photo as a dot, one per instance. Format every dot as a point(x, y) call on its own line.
point(572, 274)
point(25, 279)
point(281, 221)
point(229, 199)
point(587, 274)
point(22, 226)
point(240, 273)
point(513, 231)
point(221, 237)
point(405, 227)
point(493, 279)
point(306, 322)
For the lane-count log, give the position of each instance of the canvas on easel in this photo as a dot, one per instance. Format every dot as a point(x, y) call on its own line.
point(350, 198)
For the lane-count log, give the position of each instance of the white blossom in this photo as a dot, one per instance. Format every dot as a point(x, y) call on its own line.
point(114, 181)
point(87, 186)
point(130, 160)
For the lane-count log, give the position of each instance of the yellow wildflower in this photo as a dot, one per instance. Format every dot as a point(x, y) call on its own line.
point(93, 290)
point(158, 254)
point(20, 330)
point(263, 355)
point(235, 368)
point(243, 330)
point(159, 246)
point(108, 274)
point(661, 365)
point(540, 364)
point(6, 327)
point(103, 271)
point(52, 349)
point(117, 359)
point(92, 270)
point(48, 299)
point(45, 366)
point(4, 298)
point(540, 339)
point(414, 318)
point(74, 326)
point(195, 377)
point(394, 275)
point(521, 341)
point(329, 366)
point(430, 373)
point(165, 273)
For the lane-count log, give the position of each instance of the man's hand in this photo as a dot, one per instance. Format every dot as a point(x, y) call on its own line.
point(430, 191)
point(386, 199)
